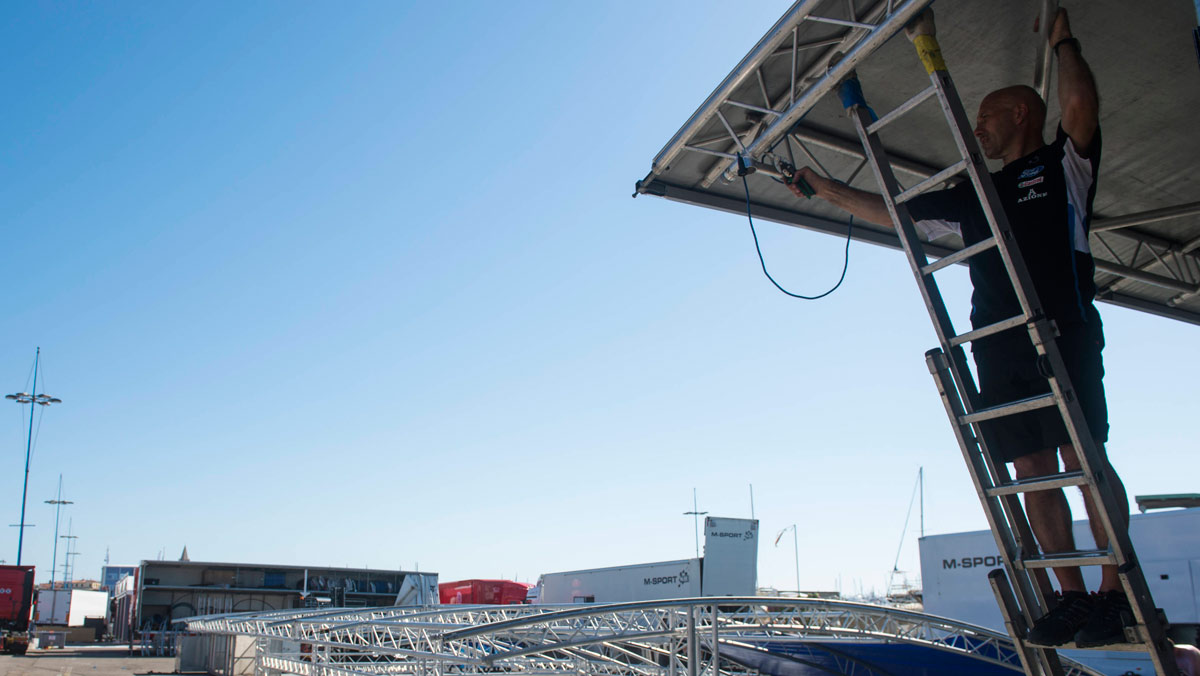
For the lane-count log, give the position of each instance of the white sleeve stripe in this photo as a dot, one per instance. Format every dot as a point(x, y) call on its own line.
point(1079, 178)
point(933, 228)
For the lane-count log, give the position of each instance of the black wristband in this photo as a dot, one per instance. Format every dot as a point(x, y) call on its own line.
point(1065, 41)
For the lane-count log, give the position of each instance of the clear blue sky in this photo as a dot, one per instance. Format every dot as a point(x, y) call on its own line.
point(362, 284)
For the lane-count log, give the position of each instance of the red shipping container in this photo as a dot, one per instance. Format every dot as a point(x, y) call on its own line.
point(483, 592)
point(16, 597)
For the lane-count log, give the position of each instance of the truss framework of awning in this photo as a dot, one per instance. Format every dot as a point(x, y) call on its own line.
point(776, 104)
point(683, 637)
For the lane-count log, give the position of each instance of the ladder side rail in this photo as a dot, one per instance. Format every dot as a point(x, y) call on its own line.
point(1024, 542)
point(1034, 660)
point(1032, 594)
point(1035, 593)
point(1042, 335)
point(1001, 512)
point(934, 304)
point(1119, 544)
point(906, 231)
point(989, 200)
point(1097, 476)
point(1040, 330)
point(915, 253)
point(1035, 588)
point(930, 293)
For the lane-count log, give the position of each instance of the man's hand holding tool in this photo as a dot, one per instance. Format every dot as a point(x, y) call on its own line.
point(799, 181)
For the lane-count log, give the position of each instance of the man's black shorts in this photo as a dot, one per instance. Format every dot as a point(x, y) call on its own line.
point(1008, 371)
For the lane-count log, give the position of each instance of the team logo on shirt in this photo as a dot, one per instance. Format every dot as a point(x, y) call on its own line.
point(1032, 195)
point(1031, 172)
point(1032, 181)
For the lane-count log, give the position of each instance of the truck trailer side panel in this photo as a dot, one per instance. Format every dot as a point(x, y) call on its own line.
point(954, 568)
point(641, 582)
point(730, 557)
point(483, 592)
point(16, 597)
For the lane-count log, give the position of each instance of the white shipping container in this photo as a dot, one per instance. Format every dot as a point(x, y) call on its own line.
point(954, 569)
point(52, 606)
point(640, 582)
point(730, 557)
point(86, 604)
point(70, 607)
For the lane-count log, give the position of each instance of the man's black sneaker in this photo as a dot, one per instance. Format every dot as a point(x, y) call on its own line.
point(1062, 623)
point(1107, 624)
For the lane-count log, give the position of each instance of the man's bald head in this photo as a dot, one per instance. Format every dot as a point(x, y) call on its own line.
point(1023, 96)
point(1010, 122)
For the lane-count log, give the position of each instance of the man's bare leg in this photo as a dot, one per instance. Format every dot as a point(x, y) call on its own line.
point(1050, 515)
point(1109, 580)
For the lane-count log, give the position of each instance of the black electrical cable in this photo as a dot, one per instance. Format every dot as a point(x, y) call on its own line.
point(845, 262)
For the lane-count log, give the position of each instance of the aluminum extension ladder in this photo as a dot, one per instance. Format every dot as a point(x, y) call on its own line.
point(1024, 599)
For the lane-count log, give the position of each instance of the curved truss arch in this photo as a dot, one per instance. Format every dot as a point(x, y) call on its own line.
point(726, 636)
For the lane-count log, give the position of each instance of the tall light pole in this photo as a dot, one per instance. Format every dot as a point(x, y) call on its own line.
point(696, 513)
point(796, 539)
point(67, 557)
point(58, 502)
point(41, 400)
point(71, 568)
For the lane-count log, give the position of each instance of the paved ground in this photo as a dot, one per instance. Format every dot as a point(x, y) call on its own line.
point(89, 661)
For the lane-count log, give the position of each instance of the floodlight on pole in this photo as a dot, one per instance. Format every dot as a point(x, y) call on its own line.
point(58, 502)
point(67, 559)
point(796, 540)
point(71, 567)
point(41, 400)
point(696, 513)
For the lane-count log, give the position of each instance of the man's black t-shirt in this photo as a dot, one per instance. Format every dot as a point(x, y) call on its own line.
point(1047, 196)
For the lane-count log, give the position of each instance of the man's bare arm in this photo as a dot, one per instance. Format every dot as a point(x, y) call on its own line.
point(864, 205)
point(1077, 96)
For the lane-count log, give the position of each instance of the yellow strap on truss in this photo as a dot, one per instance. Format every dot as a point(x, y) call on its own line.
point(930, 53)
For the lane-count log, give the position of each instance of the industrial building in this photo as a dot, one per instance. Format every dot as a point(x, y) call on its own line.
point(160, 592)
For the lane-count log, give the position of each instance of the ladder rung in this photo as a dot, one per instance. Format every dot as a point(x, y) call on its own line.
point(904, 108)
point(1020, 406)
point(1085, 557)
point(960, 255)
point(1040, 483)
point(940, 177)
point(990, 329)
point(1128, 646)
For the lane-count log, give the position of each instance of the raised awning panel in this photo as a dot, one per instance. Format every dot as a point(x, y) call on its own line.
point(1146, 236)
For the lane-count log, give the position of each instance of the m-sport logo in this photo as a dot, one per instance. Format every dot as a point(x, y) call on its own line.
point(972, 562)
point(679, 579)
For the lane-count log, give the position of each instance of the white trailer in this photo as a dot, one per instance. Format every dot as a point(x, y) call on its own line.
point(70, 607)
point(638, 582)
point(954, 570)
point(729, 568)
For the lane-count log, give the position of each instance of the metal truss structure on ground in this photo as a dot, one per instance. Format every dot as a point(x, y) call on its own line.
point(724, 636)
point(776, 104)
